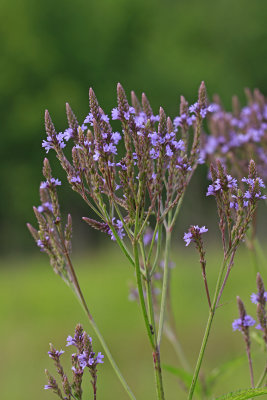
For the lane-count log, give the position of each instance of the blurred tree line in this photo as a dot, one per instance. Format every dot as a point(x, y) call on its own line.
point(53, 50)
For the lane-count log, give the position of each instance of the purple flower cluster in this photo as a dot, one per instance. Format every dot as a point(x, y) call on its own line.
point(194, 233)
point(238, 135)
point(85, 357)
point(219, 185)
point(228, 184)
point(47, 206)
point(119, 229)
point(150, 172)
point(50, 183)
point(255, 297)
point(90, 359)
point(239, 323)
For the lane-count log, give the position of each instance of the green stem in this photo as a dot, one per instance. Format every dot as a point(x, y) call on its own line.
point(119, 241)
point(177, 210)
point(262, 377)
point(155, 264)
point(149, 322)
point(152, 244)
point(165, 280)
point(207, 330)
point(141, 293)
point(79, 294)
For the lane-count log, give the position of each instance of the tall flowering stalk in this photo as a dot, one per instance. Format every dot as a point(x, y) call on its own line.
point(129, 187)
point(234, 137)
point(236, 209)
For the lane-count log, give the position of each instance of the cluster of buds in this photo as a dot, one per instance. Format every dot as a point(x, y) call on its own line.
point(85, 357)
point(148, 175)
point(239, 135)
point(236, 207)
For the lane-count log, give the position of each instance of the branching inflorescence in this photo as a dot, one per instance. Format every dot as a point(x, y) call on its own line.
point(84, 358)
point(134, 181)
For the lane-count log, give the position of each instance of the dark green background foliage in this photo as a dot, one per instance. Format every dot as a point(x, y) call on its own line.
point(52, 51)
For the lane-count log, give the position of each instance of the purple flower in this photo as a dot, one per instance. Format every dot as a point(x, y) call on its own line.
point(154, 138)
point(52, 182)
point(154, 154)
point(211, 191)
point(71, 341)
point(68, 134)
point(99, 358)
point(169, 151)
point(239, 323)
point(76, 179)
point(231, 182)
point(56, 353)
point(48, 387)
point(96, 155)
point(115, 114)
point(178, 145)
point(119, 229)
point(105, 118)
point(188, 238)
point(194, 233)
point(110, 148)
point(115, 137)
point(47, 206)
point(255, 297)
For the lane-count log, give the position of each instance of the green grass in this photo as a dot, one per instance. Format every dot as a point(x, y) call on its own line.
point(36, 308)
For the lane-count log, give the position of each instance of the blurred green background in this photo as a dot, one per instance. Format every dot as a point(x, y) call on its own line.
point(51, 53)
point(53, 50)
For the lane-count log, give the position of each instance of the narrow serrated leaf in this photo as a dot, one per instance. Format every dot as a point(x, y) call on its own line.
point(244, 394)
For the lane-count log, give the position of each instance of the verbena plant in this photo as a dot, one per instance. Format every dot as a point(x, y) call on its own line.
point(134, 181)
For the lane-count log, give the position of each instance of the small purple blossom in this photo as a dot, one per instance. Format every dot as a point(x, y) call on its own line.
point(115, 137)
point(105, 118)
point(52, 182)
point(239, 323)
point(47, 206)
point(55, 353)
point(119, 229)
point(115, 114)
point(255, 297)
point(110, 148)
point(193, 233)
point(76, 179)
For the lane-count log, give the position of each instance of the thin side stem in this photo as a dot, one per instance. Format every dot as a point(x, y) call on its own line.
point(165, 281)
point(207, 330)
point(226, 276)
point(250, 366)
point(140, 286)
point(152, 244)
point(156, 259)
point(262, 377)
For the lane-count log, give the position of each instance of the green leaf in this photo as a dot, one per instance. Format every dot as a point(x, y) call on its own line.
point(184, 376)
point(244, 394)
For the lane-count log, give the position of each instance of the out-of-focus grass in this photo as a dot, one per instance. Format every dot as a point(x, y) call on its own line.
point(36, 308)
